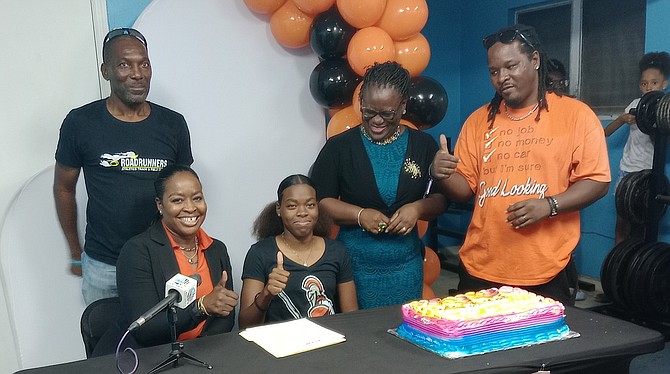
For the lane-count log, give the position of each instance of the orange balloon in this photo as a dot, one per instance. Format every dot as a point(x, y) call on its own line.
point(418, 223)
point(361, 13)
point(422, 226)
point(404, 18)
point(413, 54)
point(356, 101)
point(367, 46)
point(314, 7)
point(264, 6)
point(342, 121)
point(427, 293)
point(431, 267)
point(290, 26)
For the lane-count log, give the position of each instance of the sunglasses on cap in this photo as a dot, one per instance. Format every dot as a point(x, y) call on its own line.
point(506, 37)
point(125, 31)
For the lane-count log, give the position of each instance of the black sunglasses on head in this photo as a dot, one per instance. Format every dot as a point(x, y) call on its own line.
point(125, 31)
point(506, 37)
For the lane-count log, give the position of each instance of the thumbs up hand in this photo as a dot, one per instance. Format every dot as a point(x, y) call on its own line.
point(278, 277)
point(221, 301)
point(444, 163)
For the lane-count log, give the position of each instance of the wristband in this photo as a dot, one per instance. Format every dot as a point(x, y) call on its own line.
point(553, 206)
point(258, 305)
point(75, 262)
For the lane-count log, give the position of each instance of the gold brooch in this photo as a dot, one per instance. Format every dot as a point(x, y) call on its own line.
point(412, 168)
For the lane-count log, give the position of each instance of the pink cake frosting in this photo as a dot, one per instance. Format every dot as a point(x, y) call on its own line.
point(485, 311)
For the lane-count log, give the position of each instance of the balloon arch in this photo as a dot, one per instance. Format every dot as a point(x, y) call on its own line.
point(349, 36)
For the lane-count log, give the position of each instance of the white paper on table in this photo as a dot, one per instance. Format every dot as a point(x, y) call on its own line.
point(295, 336)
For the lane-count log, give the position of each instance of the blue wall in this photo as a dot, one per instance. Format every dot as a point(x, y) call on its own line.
point(443, 32)
point(455, 30)
point(123, 13)
point(657, 26)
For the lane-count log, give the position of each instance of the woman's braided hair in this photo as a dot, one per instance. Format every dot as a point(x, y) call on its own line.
point(387, 74)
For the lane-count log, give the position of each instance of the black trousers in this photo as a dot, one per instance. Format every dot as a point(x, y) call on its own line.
point(562, 287)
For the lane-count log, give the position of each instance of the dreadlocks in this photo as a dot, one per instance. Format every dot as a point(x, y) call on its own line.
point(390, 74)
point(529, 36)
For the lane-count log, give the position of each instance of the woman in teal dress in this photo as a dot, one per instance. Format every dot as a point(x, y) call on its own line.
point(373, 181)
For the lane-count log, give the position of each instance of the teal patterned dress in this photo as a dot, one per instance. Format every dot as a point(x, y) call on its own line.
point(388, 268)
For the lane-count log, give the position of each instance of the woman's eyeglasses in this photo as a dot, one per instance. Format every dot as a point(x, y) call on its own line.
point(368, 114)
point(506, 37)
point(125, 31)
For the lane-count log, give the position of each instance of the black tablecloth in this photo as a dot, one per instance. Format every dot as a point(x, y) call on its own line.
point(606, 344)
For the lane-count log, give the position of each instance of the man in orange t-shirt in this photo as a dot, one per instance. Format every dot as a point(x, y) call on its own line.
point(531, 159)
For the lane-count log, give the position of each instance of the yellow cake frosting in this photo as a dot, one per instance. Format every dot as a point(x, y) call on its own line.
point(481, 304)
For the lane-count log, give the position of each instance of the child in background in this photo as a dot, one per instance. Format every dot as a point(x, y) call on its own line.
point(638, 153)
point(557, 82)
point(557, 78)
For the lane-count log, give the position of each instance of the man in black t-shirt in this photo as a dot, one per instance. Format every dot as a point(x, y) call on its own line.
point(121, 143)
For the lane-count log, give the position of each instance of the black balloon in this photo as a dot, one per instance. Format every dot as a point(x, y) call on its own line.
point(332, 83)
point(427, 102)
point(330, 34)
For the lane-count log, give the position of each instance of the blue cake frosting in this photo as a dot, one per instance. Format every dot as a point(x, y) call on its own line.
point(485, 342)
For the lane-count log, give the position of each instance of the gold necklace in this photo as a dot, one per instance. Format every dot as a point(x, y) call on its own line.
point(537, 105)
point(194, 250)
point(304, 262)
point(386, 141)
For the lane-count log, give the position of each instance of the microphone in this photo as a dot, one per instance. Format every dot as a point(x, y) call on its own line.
point(179, 291)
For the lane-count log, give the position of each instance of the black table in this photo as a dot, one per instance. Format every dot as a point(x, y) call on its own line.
point(606, 345)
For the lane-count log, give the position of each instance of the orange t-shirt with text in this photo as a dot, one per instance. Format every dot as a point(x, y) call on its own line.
point(518, 160)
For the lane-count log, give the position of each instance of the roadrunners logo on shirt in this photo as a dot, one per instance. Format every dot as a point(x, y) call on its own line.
point(131, 161)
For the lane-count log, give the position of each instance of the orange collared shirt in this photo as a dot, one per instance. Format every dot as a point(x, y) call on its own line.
point(206, 286)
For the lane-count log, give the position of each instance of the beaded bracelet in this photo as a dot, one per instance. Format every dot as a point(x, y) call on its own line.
point(258, 305)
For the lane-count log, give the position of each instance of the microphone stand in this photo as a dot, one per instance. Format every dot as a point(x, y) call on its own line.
point(176, 351)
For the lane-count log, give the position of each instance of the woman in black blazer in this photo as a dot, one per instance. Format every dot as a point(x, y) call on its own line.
point(177, 244)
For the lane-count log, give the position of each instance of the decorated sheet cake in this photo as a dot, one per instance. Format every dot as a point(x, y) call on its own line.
point(483, 321)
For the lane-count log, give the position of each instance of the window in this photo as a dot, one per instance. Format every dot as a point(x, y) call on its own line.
point(600, 43)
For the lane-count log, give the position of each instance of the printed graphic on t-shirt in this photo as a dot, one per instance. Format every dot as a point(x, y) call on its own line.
point(319, 303)
point(131, 161)
point(510, 152)
point(315, 294)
